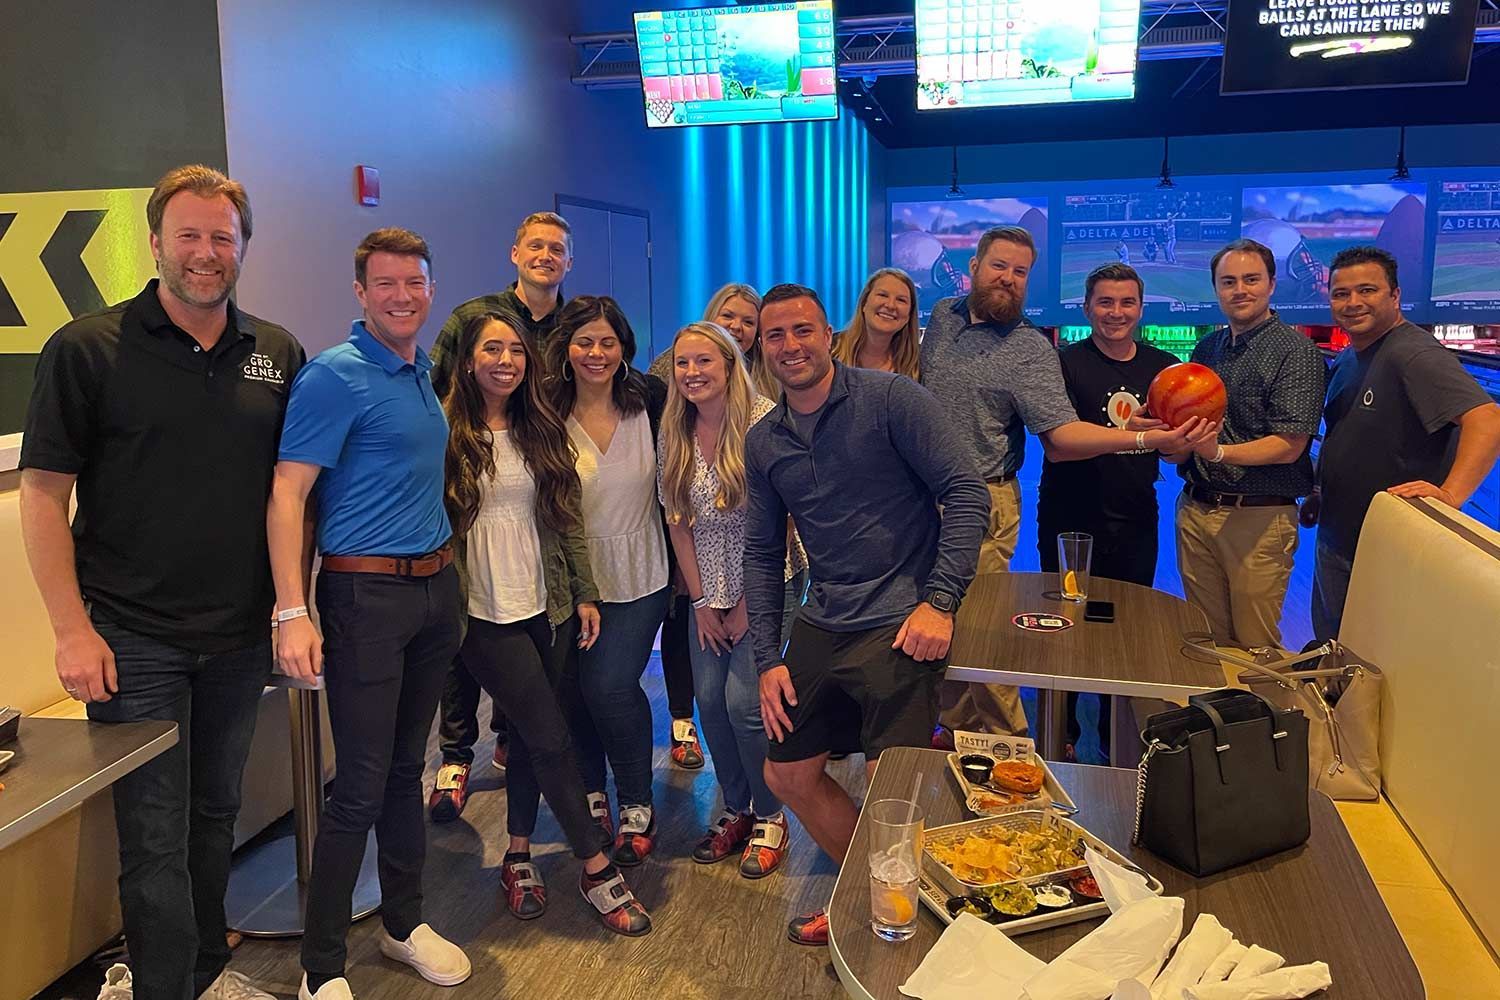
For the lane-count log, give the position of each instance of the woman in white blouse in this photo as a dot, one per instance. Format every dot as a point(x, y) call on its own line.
point(513, 495)
point(711, 404)
point(611, 412)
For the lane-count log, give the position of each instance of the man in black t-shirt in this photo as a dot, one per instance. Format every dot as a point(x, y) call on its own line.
point(1112, 497)
point(1402, 415)
point(165, 412)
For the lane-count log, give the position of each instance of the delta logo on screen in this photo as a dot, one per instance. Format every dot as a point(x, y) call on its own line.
point(1272, 45)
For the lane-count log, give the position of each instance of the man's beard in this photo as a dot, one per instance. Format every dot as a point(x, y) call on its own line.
point(995, 305)
point(174, 276)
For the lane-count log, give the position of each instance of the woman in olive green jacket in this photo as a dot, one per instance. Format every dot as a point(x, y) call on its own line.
point(514, 499)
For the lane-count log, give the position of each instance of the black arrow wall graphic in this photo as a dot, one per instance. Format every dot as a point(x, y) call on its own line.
point(62, 257)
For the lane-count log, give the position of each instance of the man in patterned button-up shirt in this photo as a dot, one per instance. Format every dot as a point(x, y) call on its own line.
point(1237, 516)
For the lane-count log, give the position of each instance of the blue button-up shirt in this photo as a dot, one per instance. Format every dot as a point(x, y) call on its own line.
point(372, 421)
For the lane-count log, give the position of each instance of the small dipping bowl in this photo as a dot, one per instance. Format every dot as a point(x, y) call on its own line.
point(1086, 888)
point(976, 767)
point(977, 905)
point(1053, 897)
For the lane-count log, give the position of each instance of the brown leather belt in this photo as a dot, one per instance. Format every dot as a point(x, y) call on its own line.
point(1215, 499)
point(421, 566)
point(1001, 479)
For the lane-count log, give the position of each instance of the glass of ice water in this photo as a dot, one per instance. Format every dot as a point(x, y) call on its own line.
point(895, 856)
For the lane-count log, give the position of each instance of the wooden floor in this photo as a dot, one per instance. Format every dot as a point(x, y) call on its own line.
point(716, 935)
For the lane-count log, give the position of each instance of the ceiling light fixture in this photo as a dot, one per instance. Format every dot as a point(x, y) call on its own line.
point(1401, 174)
point(1166, 164)
point(955, 191)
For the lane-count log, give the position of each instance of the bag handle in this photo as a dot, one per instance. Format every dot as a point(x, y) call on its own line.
point(1204, 703)
point(1203, 643)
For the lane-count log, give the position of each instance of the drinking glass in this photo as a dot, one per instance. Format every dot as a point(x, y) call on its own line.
point(1075, 549)
point(895, 857)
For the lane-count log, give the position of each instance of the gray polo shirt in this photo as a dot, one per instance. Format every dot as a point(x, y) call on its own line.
point(995, 383)
point(864, 495)
point(1274, 378)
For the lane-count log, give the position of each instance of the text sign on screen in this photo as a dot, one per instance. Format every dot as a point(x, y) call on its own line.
point(990, 53)
point(770, 62)
point(1272, 45)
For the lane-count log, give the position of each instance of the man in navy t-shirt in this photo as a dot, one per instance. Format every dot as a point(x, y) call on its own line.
point(1402, 415)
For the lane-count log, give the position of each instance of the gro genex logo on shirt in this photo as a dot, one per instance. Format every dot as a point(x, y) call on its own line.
point(262, 368)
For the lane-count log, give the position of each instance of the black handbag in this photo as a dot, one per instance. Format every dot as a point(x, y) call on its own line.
point(1222, 782)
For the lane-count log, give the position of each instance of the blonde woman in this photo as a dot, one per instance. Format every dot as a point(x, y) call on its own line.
point(883, 333)
point(711, 405)
point(736, 308)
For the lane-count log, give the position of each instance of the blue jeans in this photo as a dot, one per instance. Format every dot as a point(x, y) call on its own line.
point(609, 676)
point(1331, 570)
point(727, 689)
point(175, 814)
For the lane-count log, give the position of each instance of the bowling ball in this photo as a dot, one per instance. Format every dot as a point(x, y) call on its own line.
point(1184, 391)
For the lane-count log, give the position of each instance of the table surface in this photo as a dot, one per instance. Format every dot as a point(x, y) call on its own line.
point(1139, 654)
point(61, 762)
point(1314, 903)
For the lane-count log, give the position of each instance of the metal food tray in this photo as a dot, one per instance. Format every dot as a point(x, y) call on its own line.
point(936, 884)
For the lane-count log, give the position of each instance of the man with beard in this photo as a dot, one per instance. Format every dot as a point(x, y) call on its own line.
point(165, 412)
point(998, 377)
point(543, 255)
point(868, 648)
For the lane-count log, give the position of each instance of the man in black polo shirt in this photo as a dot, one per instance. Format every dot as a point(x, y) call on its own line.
point(1402, 414)
point(1237, 515)
point(165, 411)
point(543, 255)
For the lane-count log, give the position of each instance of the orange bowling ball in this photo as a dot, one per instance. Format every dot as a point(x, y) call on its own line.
point(1184, 391)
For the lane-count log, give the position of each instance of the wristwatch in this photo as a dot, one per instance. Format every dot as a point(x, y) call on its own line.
point(942, 600)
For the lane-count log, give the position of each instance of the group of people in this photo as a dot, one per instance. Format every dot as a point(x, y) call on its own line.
point(520, 510)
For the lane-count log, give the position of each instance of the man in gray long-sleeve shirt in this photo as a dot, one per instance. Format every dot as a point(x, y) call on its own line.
point(862, 461)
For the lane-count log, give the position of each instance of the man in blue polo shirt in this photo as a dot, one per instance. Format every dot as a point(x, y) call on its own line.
point(365, 435)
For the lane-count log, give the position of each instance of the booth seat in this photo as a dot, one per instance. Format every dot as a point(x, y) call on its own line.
point(1424, 605)
point(58, 895)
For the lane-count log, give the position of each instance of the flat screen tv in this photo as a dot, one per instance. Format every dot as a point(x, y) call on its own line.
point(1280, 45)
point(741, 65)
point(989, 53)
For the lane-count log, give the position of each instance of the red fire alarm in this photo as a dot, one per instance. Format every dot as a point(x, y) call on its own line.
point(367, 185)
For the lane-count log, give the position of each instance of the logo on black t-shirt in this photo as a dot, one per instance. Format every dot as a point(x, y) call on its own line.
point(1121, 406)
point(262, 368)
point(1369, 397)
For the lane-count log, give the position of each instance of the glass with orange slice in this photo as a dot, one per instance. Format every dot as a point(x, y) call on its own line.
point(1075, 550)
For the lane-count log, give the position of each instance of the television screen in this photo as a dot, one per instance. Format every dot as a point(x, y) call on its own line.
point(1466, 253)
point(1167, 235)
point(1306, 225)
point(988, 53)
point(1329, 44)
point(933, 241)
point(753, 63)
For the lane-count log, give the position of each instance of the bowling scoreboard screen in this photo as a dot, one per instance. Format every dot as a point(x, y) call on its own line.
point(746, 64)
point(1278, 45)
point(991, 53)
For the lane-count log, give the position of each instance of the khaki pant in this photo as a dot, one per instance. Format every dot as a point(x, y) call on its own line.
point(990, 708)
point(1235, 563)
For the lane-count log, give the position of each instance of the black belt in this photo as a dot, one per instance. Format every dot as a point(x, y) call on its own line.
point(1216, 499)
point(1001, 479)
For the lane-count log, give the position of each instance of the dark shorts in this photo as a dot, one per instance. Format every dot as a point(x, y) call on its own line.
point(855, 694)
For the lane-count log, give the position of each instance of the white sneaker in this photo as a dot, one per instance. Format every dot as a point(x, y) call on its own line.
point(116, 983)
point(437, 959)
point(233, 986)
point(334, 989)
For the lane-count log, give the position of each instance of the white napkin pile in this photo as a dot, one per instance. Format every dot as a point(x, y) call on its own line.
point(1122, 958)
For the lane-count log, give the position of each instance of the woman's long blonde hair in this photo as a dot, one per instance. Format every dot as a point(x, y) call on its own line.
point(681, 417)
point(760, 376)
point(906, 350)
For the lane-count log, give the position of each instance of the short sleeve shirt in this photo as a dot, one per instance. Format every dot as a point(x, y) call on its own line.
point(1391, 419)
point(1274, 378)
point(718, 535)
point(995, 383)
point(370, 419)
point(173, 447)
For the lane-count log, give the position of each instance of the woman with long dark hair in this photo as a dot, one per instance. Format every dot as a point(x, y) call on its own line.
point(612, 412)
point(514, 498)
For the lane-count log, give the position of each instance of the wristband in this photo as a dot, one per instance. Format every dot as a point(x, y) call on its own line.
point(1140, 440)
point(700, 603)
point(1218, 455)
point(291, 613)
